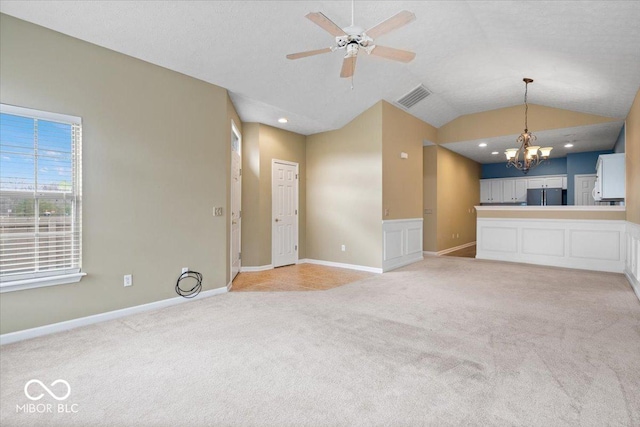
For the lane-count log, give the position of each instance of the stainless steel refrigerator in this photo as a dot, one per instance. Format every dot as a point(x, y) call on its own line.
point(544, 196)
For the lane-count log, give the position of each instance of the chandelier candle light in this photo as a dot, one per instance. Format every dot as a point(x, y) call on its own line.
point(532, 155)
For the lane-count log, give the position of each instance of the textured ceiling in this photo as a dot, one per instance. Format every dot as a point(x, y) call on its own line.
point(584, 56)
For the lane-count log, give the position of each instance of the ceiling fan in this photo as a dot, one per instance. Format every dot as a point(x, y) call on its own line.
point(353, 39)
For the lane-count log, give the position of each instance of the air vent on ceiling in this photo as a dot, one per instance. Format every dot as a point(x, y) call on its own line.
point(413, 97)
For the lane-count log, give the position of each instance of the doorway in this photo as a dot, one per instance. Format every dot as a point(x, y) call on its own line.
point(284, 218)
point(584, 185)
point(236, 200)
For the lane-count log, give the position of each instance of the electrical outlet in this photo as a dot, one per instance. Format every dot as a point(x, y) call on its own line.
point(453, 236)
point(217, 211)
point(344, 248)
point(128, 280)
point(185, 269)
point(457, 235)
point(386, 212)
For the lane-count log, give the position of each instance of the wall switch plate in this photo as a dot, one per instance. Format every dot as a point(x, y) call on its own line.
point(217, 211)
point(344, 248)
point(128, 280)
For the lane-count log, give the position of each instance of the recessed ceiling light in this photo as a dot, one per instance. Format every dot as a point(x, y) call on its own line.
point(482, 144)
point(494, 153)
point(568, 145)
point(282, 120)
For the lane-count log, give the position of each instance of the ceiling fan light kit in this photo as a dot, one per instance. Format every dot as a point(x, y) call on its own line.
point(532, 155)
point(353, 39)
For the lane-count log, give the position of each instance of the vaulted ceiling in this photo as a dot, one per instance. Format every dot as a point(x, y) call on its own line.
point(472, 55)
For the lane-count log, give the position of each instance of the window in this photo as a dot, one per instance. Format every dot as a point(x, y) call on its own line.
point(40, 198)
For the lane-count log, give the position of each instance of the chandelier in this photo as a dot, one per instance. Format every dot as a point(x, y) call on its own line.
point(528, 156)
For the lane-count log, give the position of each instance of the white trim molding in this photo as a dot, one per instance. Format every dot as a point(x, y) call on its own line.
point(247, 269)
point(586, 244)
point(401, 242)
point(41, 282)
point(53, 328)
point(340, 265)
point(632, 261)
point(449, 250)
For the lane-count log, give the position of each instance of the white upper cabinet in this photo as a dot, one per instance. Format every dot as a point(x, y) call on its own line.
point(547, 182)
point(490, 191)
point(514, 190)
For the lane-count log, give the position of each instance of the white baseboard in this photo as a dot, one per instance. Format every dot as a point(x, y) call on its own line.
point(405, 260)
point(430, 253)
point(635, 284)
point(340, 265)
point(456, 248)
point(244, 269)
point(12, 337)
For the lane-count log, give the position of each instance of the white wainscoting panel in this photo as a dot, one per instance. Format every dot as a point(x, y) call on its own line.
point(632, 262)
point(540, 241)
point(498, 239)
point(586, 244)
point(401, 242)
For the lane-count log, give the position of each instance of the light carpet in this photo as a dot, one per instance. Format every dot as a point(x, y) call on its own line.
point(445, 341)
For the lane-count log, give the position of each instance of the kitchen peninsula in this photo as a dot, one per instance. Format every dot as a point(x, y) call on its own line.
point(585, 237)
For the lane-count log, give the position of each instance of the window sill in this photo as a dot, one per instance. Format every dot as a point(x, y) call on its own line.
point(41, 282)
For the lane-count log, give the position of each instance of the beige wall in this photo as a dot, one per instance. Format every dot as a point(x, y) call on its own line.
point(458, 191)
point(554, 214)
point(262, 144)
point(632, 150)
point(510, 121)
point(401, 178)
point(155, 163)
point(252, 237)
point(430, 198)
point(344, 192)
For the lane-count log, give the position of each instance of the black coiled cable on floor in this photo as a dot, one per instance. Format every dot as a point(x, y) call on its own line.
point(190, 293)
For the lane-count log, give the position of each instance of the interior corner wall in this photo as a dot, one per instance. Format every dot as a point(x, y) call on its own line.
point(280, 144)
point(430, 198)
point(251, 235)
point(402, 177)
point(632, 150)
point(260, 145)
point(458, 191)
point(344, 192)
point(155, 163)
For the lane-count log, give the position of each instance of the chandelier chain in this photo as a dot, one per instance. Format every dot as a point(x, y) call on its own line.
point(526, 107)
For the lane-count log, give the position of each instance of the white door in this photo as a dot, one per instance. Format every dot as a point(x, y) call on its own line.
point(496, 191)
point(520, 190)
point(485, 191)
point(236, 197)
point(508, 190)
point(583, 190)
point(284, 200)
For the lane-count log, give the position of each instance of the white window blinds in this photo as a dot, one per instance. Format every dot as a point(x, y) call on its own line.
point(40, 194)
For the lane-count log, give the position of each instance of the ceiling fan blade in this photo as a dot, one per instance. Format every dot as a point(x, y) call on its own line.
point(325, 23)
point(348, 66)
point(308, 53)
point(398, 20)
point(393, 54)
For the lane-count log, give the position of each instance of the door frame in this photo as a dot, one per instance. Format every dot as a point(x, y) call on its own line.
point(234, 131)
point(297, 208)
